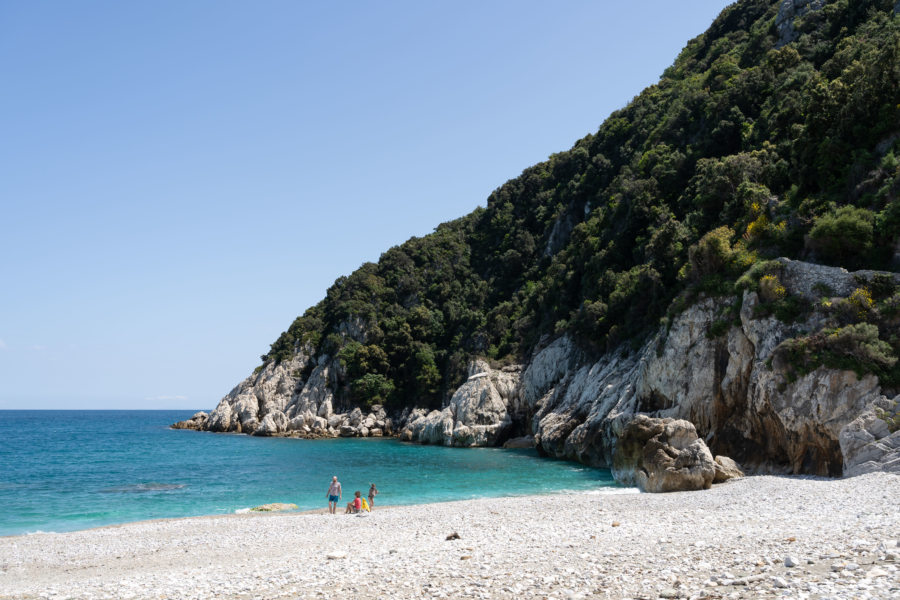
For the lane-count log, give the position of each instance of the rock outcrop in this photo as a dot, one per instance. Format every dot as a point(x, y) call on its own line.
point(198, 421)
point(477, 415)
point(662, 455)
point(787, 12)
point(871, 442)
point(278, 401)
point(726, 381)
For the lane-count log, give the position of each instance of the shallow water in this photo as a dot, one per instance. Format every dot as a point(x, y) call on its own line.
point(68, 470)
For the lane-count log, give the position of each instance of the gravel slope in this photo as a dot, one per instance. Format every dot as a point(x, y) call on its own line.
point(729, 542)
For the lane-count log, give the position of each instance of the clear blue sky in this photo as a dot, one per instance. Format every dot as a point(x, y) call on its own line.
point(180, 180)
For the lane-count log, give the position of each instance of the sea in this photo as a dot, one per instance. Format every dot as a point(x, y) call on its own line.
point(71, 470)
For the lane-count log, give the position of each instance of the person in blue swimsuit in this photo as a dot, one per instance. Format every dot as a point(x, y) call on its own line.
point(334, 494)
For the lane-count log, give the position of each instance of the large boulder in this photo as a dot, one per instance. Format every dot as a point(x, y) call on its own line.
point(662, 455)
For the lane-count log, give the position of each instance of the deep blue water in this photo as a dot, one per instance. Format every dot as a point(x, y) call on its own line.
point(68, 470)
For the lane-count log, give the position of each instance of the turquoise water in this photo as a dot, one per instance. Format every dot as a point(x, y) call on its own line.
point(69, 470)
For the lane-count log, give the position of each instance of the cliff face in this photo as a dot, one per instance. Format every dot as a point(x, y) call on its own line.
point(728, 384)
point(825, 422)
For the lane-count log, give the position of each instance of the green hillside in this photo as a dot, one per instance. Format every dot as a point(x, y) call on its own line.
point(748, 148)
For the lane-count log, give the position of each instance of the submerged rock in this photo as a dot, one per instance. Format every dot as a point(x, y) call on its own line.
point(274, 507)
point(520, 442)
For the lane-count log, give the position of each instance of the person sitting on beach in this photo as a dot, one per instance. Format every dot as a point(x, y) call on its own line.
point(334, 494)
point(373, 491)
point(356, 504)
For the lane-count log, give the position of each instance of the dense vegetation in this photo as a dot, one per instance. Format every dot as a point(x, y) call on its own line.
point(742, 152)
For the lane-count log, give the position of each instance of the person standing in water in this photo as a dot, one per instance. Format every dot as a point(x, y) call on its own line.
point(373, 491)
point(334, 494)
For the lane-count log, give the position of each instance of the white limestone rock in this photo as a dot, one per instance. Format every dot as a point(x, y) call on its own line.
point(272, 424)
point(867, 442)
point(477, 414)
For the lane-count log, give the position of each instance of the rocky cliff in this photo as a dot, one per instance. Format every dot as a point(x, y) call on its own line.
point(714, 365)
point(626, 279)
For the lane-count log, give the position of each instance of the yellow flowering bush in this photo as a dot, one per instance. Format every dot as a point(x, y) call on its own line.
point(770, 289)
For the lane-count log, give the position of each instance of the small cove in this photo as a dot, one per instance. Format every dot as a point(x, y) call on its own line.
point(70, 470)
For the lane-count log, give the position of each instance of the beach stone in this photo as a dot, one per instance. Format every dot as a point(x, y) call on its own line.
point(336, 555)
point(662, 455)
point(790, 561)
point(726, 469)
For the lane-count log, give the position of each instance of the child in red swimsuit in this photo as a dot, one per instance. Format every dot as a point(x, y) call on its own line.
point(356, 505)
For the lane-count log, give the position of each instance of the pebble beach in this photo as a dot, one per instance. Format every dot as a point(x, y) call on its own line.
point(757, 537)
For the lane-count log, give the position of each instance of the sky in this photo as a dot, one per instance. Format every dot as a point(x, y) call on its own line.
point(180, 180)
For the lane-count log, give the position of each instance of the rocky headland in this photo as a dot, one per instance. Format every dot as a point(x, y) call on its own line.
point(712, 381)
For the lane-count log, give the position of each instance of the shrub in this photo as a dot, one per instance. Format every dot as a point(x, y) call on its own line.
point(860, 344)
point(750, 279)
point(770, 289)
point(711, 254)
point(862, 301)
point(718, 328)
point(858, 306)
point(882, 286)
point(890, 307)
point(372, 388)
point(843, 236)
point(892, 420)
point(854, 347)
